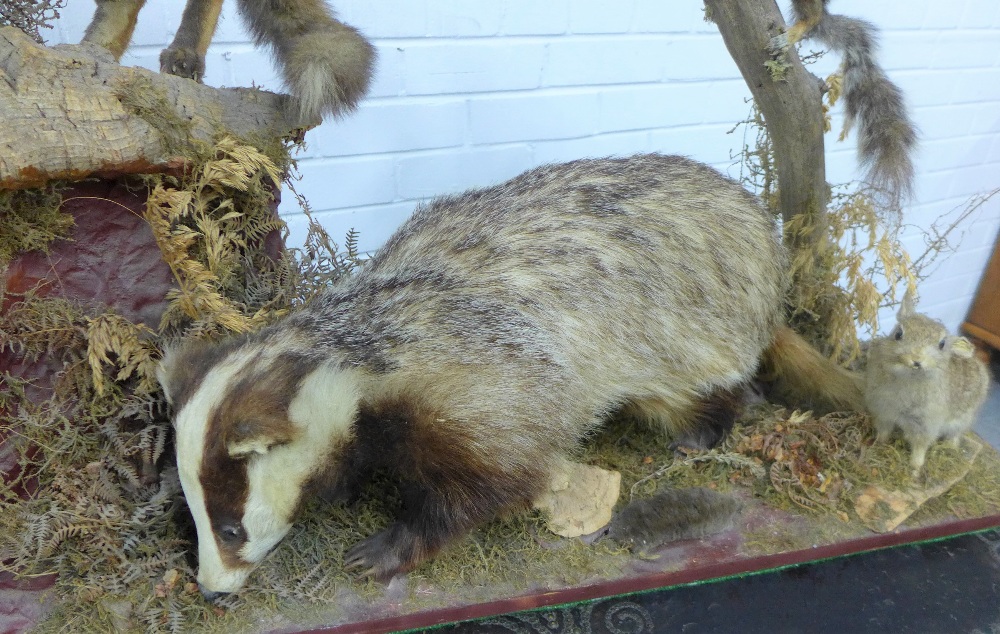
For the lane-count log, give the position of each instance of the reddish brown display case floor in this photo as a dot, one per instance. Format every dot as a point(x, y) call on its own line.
point(696, 561)
point(950, 585)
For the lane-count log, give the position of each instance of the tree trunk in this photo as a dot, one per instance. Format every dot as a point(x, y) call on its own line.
point(792, 109)
point(71, 112)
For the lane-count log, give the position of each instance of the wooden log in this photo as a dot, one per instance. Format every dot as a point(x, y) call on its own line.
point(71, 112)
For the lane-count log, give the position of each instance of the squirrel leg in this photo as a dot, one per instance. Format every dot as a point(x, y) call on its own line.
point(882, 431)
point(113, 24)
point(808, 14)
point(185, 57)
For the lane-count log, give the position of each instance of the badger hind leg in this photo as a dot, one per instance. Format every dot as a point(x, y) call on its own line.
point(698, 423)
point(713, 419)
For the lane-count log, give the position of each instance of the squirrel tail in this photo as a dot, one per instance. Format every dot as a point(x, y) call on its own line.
point(886, 136)
point(795, 372)
point(325, 63)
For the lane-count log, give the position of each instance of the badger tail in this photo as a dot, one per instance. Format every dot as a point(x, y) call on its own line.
point(325, 63)
point(795, 372)
point(886, 134)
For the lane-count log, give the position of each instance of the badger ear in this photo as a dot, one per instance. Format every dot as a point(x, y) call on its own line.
point(164, 369)
point(257, 436)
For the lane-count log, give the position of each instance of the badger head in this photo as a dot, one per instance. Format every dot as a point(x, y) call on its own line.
point(254, 423)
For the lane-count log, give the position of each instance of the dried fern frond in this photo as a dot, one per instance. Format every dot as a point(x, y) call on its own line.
point(33, 326)
point(208, 227)
point(840, 282)
point(112, 340)
point(319, 263)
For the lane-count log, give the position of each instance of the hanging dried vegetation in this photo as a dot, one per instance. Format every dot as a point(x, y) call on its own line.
point(92, 452)
point(30, 15)
point(839, 290)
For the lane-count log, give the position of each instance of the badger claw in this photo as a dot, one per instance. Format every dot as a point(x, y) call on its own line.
point(379, 556)
point(183, 62)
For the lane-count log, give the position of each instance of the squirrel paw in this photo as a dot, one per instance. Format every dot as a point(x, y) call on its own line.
point(183, 62)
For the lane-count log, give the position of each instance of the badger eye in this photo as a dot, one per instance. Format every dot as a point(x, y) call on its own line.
point(897, 333)
point(230, 533)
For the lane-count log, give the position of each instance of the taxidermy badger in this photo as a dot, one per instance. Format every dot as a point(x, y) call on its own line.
point(490, 334)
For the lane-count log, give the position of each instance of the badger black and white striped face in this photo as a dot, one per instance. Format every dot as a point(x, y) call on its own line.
point(254, 423)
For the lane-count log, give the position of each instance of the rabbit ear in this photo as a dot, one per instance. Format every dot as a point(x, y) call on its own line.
point(962, 348)
point(908, 307)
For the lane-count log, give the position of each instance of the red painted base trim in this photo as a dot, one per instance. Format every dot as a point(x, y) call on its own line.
point(653, 581)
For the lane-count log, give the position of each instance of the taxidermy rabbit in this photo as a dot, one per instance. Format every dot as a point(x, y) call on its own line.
point(924, 382)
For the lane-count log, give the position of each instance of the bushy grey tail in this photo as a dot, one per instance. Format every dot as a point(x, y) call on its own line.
point(326, 64)
point(886, 135)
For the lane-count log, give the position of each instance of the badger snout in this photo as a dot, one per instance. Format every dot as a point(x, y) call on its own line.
point(210, 595)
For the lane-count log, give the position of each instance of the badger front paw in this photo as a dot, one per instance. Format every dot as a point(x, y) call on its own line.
point(183, 62)
point(384, 554)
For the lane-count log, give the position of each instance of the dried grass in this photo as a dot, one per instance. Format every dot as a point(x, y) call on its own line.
point(93, 451)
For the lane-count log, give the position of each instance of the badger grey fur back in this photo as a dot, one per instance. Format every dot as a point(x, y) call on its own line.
point(493, 332)
point(505, 324)
point(565, 293)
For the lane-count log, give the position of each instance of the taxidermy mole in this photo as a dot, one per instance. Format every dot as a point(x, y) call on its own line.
point(325, 63)
point(924, 382)
point(886, 134)
point(492, 332)
point(672, 515)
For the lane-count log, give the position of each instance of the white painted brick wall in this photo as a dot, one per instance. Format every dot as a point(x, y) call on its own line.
point(470, 92)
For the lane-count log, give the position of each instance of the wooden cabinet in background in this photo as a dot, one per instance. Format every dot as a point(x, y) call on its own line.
point(983, 321)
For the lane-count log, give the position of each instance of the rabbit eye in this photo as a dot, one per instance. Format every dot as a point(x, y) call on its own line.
point(897, 333)
point(941, 344)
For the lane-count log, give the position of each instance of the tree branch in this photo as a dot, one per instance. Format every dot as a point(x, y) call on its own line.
point(791, 105)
